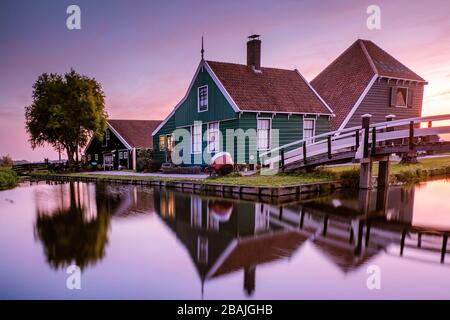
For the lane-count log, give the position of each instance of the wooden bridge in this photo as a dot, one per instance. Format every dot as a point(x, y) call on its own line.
point(364, 144)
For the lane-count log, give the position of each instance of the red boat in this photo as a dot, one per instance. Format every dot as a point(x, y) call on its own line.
point(220, 210)
point(222, 163)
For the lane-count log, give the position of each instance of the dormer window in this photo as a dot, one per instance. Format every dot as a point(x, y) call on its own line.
point(401, 97)
point(202, 99)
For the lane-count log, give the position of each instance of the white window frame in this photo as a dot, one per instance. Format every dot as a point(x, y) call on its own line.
point(120, 155)
point(198, 98)
point(89, 157)
point(313, 129)
point(125, 154)
point(96, 157)
point(406, 98)
point(200, 136)
point(269, 138)
point(216, 132)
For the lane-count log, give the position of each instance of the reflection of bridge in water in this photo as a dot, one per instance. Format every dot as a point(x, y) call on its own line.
point(223, 237)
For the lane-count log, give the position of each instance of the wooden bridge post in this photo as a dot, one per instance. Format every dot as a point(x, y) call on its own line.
point(365, 126)
point(365, 174)
point(282, 160)
point(383, 172)
point(389, 118)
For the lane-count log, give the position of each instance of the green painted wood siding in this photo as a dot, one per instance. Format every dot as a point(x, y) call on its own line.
point(218, 106)
point(290, 128)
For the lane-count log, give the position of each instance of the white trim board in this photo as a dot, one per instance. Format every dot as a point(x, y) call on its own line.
point(357, 103)
point(125, 143)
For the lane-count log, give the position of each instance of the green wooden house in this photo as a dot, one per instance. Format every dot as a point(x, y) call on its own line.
point(277, 106)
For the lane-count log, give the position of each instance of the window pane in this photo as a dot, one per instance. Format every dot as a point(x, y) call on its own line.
point(162, 145)
point(197, 138)
point(203, 98)
point(213, 136)
point(263, 134)
point(169, 143)
point(401, 96)
point(308, 130)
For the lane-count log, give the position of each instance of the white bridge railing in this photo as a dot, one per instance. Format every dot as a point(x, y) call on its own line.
point(336, 142)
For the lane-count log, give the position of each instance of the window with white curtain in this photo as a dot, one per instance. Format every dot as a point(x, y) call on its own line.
point(263, 134)
point(196, 137)
point(213, 137)
point(308, 130)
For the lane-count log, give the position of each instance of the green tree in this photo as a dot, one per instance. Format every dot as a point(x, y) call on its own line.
point(66, 111)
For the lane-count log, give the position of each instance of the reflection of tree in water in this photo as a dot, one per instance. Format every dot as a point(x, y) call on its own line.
point(77, 231)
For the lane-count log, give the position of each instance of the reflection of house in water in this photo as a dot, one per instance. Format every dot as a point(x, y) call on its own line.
point(73, 219)
point(226, 236)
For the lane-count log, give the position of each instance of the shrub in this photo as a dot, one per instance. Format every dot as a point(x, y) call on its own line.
point(8, 179)
point(350, 178)
point(145, 161)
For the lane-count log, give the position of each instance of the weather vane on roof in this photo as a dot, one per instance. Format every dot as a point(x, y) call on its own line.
point(202, 51)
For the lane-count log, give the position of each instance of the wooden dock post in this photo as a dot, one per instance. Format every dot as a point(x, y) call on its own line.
point(444, 247)
point(383, 172)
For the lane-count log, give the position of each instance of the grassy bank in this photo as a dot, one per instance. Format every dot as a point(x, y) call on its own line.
point(8, 179)
point(400, 173)
point(409, 173)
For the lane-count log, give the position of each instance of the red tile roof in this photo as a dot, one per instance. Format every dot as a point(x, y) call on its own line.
point(138, 133)
point(272, 90)
point(386, 65)
point(343, 82)
point(252, 251)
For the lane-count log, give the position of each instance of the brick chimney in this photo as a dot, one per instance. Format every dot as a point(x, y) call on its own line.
point(254, 52)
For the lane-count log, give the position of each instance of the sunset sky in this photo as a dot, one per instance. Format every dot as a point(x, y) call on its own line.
point(144, 53)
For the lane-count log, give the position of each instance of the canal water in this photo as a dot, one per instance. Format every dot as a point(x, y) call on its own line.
point(144, 243)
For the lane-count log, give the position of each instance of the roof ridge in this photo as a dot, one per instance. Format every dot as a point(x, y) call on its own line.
point(244, 65)
point(368, 56)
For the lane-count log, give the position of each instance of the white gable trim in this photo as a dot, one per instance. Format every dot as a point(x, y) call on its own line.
point(116, 133)
point(221, 88)
point(203, 64)
point(126, 144)
point(358, 102)
point(315, 92)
